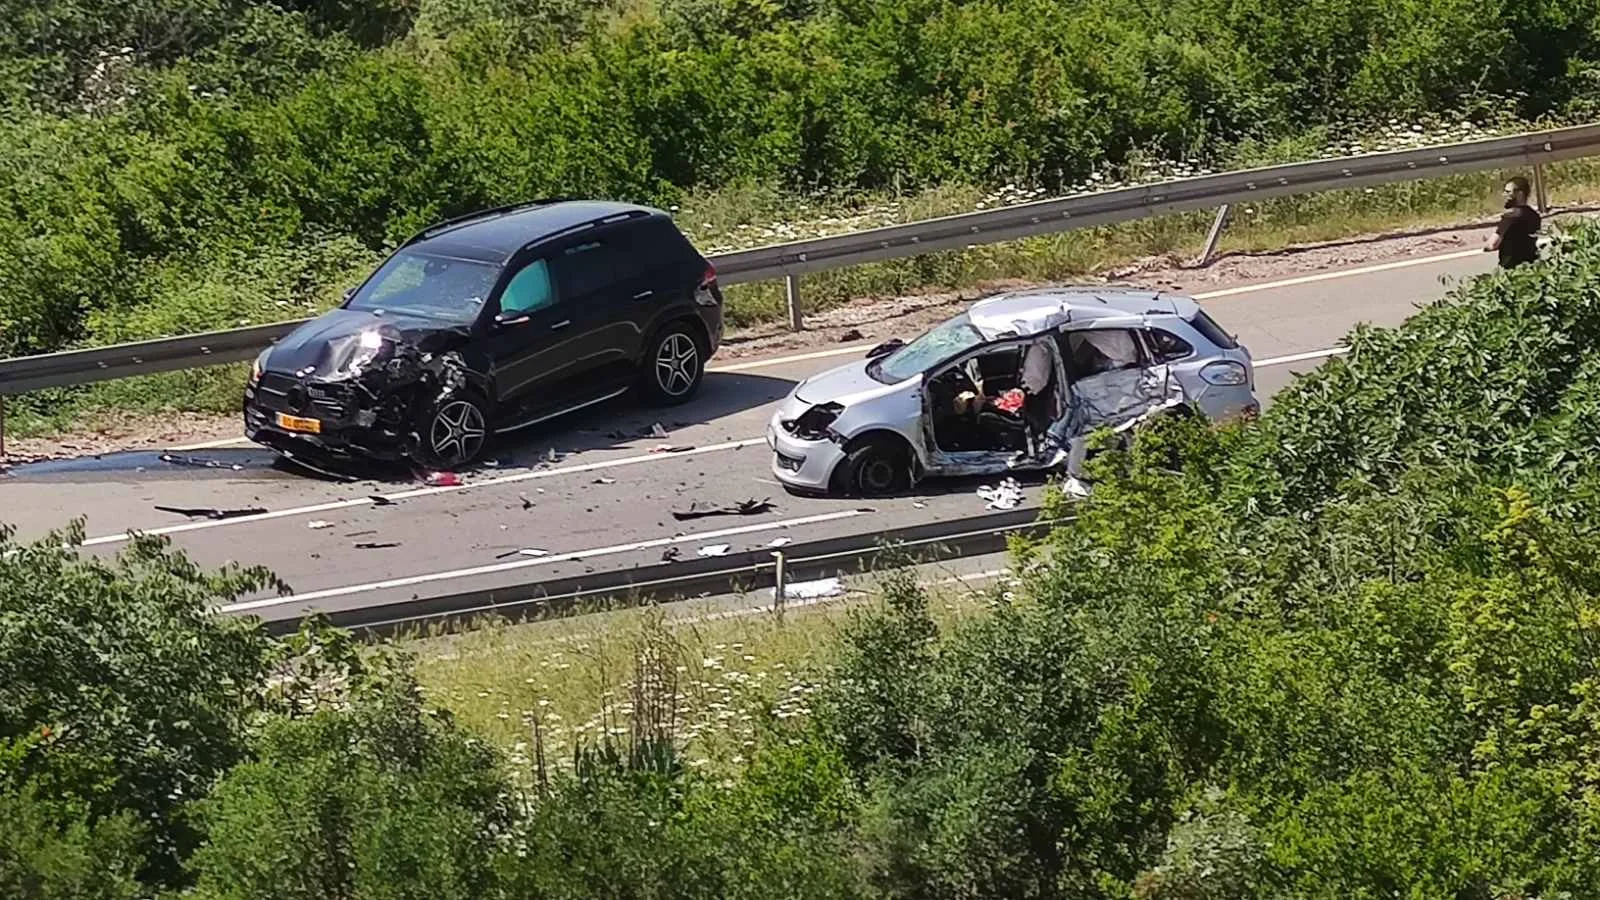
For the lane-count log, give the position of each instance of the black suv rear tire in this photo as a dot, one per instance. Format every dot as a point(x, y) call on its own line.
point(674, 365)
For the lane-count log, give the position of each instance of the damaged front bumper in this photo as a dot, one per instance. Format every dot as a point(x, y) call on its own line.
point(337, 418)
point(804, 465)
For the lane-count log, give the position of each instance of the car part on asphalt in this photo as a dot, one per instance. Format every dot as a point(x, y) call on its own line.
point(211, 513)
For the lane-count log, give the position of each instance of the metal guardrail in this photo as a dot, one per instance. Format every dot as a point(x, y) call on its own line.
point(751, 570)
point(791, 260)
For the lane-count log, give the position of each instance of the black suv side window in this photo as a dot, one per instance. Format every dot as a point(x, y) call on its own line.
point(655, 246)
point(1166, 346)
point(587, 267)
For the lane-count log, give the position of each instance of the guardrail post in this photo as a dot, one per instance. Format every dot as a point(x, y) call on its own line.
point(1215, 233)
point(791, 293)
point(778, 585)
point(1541, 200)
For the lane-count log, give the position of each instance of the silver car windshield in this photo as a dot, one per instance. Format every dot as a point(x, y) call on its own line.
point(434, 287)
point(950, 338)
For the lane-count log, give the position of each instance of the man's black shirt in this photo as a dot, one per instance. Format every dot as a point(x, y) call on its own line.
point(1517, 229)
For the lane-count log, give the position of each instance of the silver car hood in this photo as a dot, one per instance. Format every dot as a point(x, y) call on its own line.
point(844, 385)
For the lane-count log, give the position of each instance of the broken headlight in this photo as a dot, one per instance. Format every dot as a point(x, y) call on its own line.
point(354, 354)
point(813, 423)
point(258, 367)
point(1225, 374)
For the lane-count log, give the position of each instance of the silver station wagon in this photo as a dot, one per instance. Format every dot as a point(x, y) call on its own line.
point(1015, 383)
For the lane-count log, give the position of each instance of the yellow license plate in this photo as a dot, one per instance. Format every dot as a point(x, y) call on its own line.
point(296, 423)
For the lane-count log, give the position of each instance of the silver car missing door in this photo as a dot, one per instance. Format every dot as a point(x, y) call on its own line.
point(982, 392)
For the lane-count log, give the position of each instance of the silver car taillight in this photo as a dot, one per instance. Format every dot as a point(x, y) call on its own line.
point(1225, 373)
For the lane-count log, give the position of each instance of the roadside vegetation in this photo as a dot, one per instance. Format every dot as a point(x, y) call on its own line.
point(171, 166)
point(1348, 650)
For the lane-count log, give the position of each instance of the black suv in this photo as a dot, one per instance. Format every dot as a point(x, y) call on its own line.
point(489, 323)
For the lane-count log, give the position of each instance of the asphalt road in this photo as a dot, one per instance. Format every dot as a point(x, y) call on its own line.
point(606, 501)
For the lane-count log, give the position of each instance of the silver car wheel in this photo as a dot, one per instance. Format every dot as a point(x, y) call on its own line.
point(677, 364)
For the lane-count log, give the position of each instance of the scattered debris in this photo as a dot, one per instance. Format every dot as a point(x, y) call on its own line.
point(669, 448)
point(744, 508)
point(318, 524)
point(376, 545)
point(919, 505)
point(209, 513)
point(812, 590)
point(380, 500)
point(1075, 488)
point(853, 334)
point(491, 463)
point(524, 551)
point(443, 479)
point(318, 470)
point(526, 503)
point(604, 480)
point(551, 455)
point(714, 550)
point(656, 431)
point(356, 534)
point(781, 542)
point(670, 554)
point(179, 459)
point(1008, 495)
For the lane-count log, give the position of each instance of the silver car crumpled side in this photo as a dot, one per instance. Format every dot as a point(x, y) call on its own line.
point(1121, 398)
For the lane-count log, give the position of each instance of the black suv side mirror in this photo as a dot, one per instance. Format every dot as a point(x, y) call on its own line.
point(885, 348)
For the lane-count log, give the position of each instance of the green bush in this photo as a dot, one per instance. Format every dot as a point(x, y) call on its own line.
point(233, 123)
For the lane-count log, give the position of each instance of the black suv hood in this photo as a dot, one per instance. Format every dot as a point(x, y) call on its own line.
point(312, 344)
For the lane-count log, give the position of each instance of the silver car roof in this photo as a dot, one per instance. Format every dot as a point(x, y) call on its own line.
point(1030, 312)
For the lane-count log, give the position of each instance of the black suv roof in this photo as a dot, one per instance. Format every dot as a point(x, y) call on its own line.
point(494, 235)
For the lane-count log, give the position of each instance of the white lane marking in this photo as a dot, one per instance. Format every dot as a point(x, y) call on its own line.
point(1342, 273)
point(858, 348)
point(785, 360)
point(1301, 357)
point(430, 491)
point(542, 561)
point(211, 445)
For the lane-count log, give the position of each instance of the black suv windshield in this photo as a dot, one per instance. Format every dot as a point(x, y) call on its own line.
point(936, 345)
point(414, 282)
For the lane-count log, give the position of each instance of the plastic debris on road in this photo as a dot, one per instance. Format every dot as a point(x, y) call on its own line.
point(670, 554)
point(523, 551)
point(668, 448)
point(656, 431)
point(196, 462)
point(210, 513)
point(714, 550)
point(443, 479)
point(380, 500)
point(812, 590)
point(376, 545)
point(781, 542)
point(743, 508)
point(1007, 495)
point(318, 524)
point(604, 480)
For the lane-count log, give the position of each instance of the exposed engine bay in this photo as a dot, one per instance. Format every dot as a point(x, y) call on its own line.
point(369, 392)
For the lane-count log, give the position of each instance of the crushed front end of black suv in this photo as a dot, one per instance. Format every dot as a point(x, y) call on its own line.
point(354, 384)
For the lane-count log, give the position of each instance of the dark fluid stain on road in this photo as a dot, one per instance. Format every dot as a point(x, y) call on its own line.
point(233, 463)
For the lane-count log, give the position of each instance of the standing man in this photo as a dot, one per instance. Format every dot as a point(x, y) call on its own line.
point(1516, 235)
